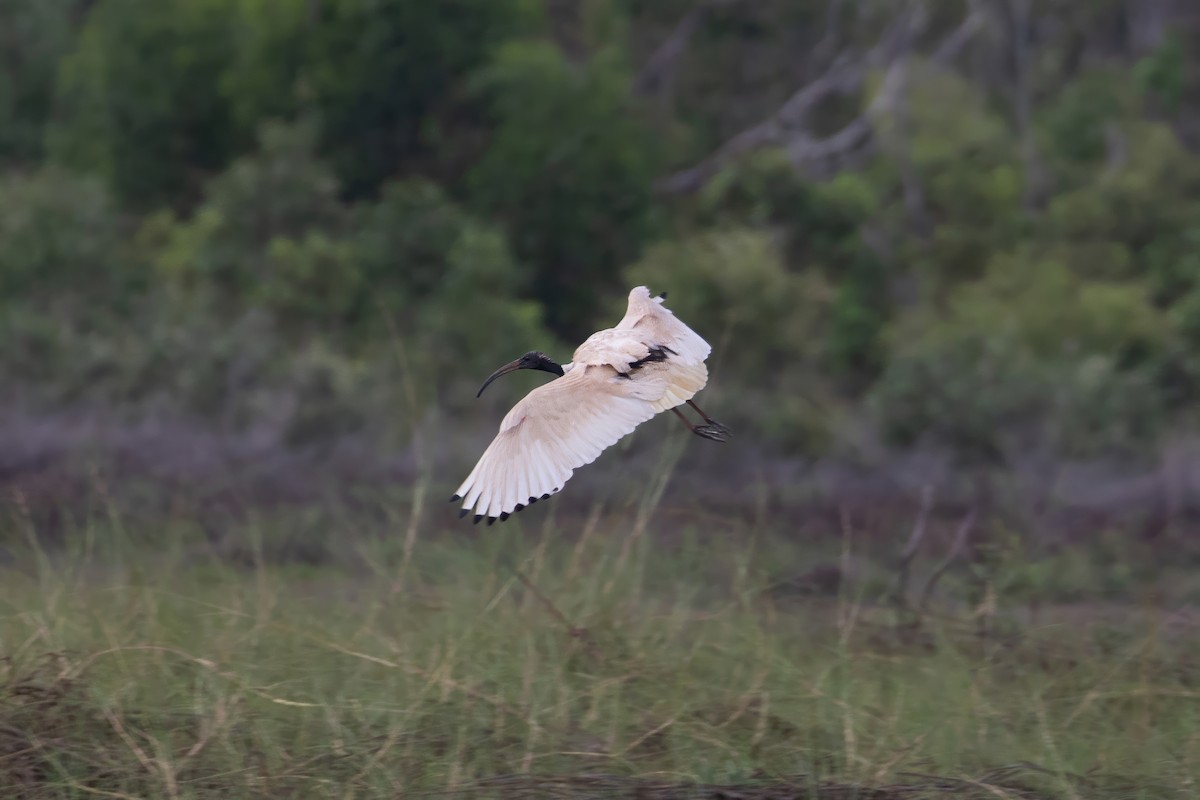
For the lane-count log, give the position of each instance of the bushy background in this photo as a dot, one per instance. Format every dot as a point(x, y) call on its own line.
point(256, 257)
point(318, 224)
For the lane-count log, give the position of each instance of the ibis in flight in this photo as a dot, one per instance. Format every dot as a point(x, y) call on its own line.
point(616, 380)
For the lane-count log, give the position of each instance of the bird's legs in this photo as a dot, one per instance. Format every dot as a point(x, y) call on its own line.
point(711, 424)
point(710, 430)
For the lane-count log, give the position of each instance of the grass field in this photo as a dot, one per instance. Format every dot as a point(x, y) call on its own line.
point(583, 660)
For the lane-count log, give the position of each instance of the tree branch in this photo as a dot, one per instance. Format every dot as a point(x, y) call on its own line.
point(829, 39)
point(920, 526)
point(1020, 13)
point(661, 64)
point(1117, 146)
point(957, 550)
point(960, 37)
point(803, 150)
point(786, 127)
point(844, 75)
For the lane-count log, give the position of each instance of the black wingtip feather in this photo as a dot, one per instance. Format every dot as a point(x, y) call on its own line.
point(663, 295)
point(518, 507)
point(477, 518)
point(546, 496)
point(532, 500)
point(491, 521)
point(504, 515)
point(463, 513)
point(455, 498)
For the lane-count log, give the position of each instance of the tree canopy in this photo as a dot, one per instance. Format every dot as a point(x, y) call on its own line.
point(973, 224)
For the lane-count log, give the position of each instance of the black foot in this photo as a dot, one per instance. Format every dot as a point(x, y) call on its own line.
point(713, 430)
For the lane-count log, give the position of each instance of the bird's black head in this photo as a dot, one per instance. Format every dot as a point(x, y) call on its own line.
point(535, 359)
point(531, 360)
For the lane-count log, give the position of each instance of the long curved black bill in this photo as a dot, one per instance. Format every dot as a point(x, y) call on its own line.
point(512, 366)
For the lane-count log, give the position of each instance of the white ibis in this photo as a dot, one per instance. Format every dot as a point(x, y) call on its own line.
point(616, 380)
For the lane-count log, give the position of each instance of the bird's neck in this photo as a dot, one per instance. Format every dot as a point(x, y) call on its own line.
point(546, 365)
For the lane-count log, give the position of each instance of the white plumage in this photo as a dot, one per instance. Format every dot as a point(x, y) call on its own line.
point(617, 379)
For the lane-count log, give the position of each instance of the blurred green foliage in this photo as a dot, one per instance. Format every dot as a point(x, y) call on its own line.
point(382, 76)
point(34, 36)
point(139, 100)
point(58, 238)
point(1029, 355)
point(286, 210)
point(569, 169)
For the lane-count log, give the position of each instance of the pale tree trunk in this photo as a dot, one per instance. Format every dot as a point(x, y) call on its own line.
point(1019, 15)
point(1148, 23)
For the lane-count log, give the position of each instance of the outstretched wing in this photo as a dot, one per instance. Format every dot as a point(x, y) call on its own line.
point(654, 322)
point(554, 430)
point(620, 378)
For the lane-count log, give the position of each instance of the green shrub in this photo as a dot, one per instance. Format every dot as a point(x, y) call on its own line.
point(139, 101)
point(377, 74)
point(569, 171)
point(222, 252)
point(33, 36)
point(1027, 354)
point(59, 241)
